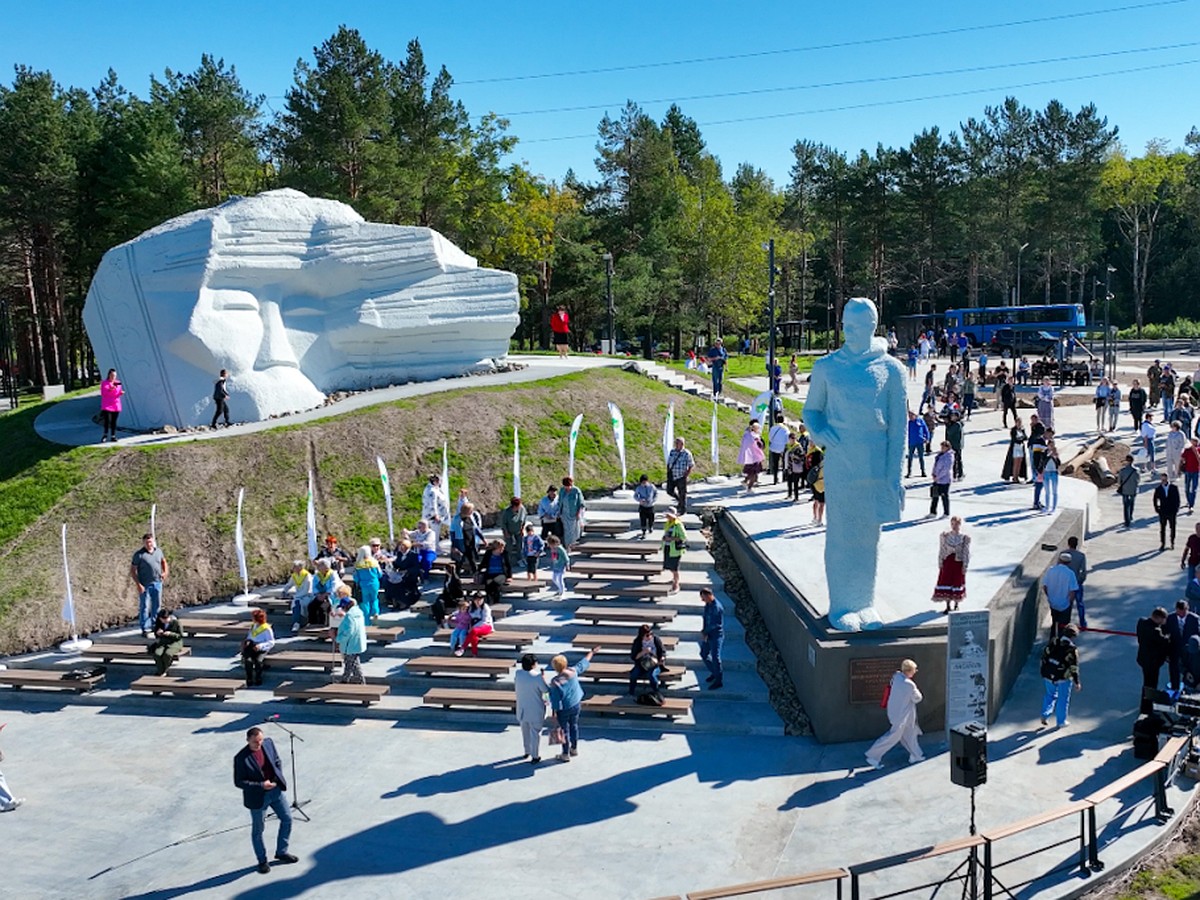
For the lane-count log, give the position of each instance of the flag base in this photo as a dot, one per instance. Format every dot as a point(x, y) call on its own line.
point(244, 599)
point(623, 494)
point(717, 479)
point(74, 645)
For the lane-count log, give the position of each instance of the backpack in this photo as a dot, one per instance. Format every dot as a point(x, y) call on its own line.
point(1054, 663)
point(813, 474)
point(651, 698)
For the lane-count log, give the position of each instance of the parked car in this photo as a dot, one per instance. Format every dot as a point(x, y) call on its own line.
point(1011, 342)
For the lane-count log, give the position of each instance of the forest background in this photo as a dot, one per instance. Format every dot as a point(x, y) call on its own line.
point(1047, 196)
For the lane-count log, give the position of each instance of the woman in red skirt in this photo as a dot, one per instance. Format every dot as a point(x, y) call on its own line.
point(954, 555)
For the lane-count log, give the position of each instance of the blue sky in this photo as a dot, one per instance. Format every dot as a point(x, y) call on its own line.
point(481, 43)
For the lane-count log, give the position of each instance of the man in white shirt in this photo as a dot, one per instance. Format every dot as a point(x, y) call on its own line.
point(1147, 432)
point(435, 507)
point(777, 440)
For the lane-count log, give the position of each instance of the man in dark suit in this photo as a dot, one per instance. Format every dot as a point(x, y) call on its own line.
point(258, 771)
point(1154, 646)
point(1166, 504)
point(1180, 627)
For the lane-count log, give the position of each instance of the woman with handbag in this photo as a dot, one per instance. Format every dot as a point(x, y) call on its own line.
point(566, 696)
point(751, 455)
point(903, 695)
point(674, 542)
point(648, 654)
point(255, 647)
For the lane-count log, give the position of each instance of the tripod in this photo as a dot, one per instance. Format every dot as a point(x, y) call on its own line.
point(297, 804)
point(970, 888)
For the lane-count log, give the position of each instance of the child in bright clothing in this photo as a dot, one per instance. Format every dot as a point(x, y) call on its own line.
point(559, 561)
point(532, 546)
point(461, 623)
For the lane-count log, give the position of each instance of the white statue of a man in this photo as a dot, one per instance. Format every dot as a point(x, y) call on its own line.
point(857, 410)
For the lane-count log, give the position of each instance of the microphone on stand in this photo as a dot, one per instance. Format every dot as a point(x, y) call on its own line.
point(274, 718)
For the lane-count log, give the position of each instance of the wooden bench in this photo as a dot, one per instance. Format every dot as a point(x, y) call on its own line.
point(448, 697)
point(514, 639)
point(614, 568)
point(637, 614)
point(459, 665)
point(194, 625)
point(366, 694)
point(192, 687)
point(376, 634)
point(598, 589)
point(301, 659)
point(618, 642)
point(124, 652)
point(593, 546)
point(40, 678)
point(607, 527)
point(624, 705)
point(607, 671)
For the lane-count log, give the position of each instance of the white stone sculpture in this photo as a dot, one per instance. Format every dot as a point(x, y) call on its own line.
point(297, 297)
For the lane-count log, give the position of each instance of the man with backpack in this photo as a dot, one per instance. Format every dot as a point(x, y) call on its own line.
point(918, 438)
point(221, 399)
point(1060, 673)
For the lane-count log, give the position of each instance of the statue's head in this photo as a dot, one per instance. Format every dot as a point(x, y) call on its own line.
point(859, 320)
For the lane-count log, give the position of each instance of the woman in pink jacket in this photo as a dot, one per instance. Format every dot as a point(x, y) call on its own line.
point(751, 454)
point(111, 392)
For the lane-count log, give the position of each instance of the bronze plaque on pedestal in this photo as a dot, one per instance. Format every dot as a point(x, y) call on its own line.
point(870, 675)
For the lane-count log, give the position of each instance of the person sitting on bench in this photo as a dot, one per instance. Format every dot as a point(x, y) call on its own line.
point(425, 541)
point(647, 653)
point(255, 647)
point(496, 570)
point(325, 583)
point(338, 558)
point(404, 576)
point(481, 621)
point(300, 587)
point(168, 641)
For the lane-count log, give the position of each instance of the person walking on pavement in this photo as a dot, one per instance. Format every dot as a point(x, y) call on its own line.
point(560, 326)
point(1180, 628)
point(1060, 674)
point(903, 695)
point(918, 437)
point(1166, 504)
point(1061, 588)
point(1191, 554)
point(954, 434)
point(531, 690)
point(1173, 447)
point(1137, 403)
point(1147, 438)
point(777, 439)
point(717, 357)
point(1154, 646)
point(7, 801)
point(258, 772)
point(1078, 565)
point(645, 494)
point(1008, 401)
point(1128, 478)
point(943, 474)
point(1190, 463)
point(712, 638)
point(221, 398)
point(680, 463)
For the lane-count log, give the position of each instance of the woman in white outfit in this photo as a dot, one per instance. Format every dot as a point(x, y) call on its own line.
point(531, 706)
point(902, 714)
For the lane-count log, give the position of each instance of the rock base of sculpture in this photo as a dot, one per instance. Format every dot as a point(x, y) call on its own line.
point(839, 672)
point(297, 298)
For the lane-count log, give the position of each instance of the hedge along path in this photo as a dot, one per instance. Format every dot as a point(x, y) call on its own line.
point(195, 486)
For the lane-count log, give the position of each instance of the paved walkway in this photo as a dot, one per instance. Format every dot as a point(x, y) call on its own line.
point(135, 799)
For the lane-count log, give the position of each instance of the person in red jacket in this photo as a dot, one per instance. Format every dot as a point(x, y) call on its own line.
point(560, 325)
point(1190, 462)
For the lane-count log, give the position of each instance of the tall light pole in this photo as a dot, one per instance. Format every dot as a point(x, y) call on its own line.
point(1020, 250)
point(612, 332)
point(1110, 353)
point(769, 246)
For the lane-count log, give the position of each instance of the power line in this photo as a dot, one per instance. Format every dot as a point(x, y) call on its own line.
point(879, 103)
point(838, 45)
point(857, 81)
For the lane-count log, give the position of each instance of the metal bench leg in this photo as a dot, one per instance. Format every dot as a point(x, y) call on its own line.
point(1093, 842)
point(1083, 845)
point(1161, 810)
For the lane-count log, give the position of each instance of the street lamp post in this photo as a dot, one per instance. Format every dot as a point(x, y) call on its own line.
point(769, 246)
point(1110, 350)
point(1020, 250)
point(612, 332)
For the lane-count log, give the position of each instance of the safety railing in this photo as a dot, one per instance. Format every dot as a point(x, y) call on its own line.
point(982, 867)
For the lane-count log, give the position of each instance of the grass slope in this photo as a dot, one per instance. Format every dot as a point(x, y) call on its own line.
point(105, 494)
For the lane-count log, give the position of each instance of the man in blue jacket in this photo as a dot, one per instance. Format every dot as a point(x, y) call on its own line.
point(918, 437)
point(1179, 628)
point(258, 771)
point(717, 357)
point(712, 637)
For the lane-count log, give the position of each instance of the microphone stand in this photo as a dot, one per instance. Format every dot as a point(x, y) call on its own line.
point(297, 804)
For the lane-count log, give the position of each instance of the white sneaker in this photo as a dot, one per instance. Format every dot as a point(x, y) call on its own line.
point(295, 627)
point(17, 801)
point(874, 763)
point(916, 759)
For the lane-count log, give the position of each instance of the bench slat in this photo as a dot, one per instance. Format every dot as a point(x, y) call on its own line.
point(625, 705)
point(459, 665)
point(21, 678)
point(639, 614)
point(621, 642)
point(774, 884)
point(126, 652)
point(448, 697)
point(1051, 815)
point(366, 694)
point(168, 684)
point(295, 659)
point(497, 638)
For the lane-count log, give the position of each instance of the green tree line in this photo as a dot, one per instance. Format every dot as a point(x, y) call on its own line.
point(1048, 197)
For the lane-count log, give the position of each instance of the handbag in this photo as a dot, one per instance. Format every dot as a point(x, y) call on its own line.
point(647, 663)
point(557, 736)
point(887, 695)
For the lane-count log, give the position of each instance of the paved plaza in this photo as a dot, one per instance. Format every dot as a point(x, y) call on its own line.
point(133, 797)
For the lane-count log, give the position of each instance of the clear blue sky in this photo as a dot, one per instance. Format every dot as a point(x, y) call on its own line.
point(78, 40)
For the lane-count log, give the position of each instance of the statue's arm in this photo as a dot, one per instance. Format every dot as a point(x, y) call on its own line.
point(897, 417)
point(816, 405)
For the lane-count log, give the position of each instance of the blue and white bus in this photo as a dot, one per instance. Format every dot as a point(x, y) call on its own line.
point(979, 324)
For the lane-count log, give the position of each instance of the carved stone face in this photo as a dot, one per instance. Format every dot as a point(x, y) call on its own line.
point(296, 297)
point(859, 320)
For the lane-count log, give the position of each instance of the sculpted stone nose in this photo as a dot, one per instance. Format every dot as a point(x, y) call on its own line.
point(274, 349)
